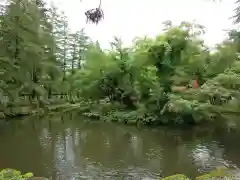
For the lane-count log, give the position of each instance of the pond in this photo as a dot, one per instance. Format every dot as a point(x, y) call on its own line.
point(71, 147)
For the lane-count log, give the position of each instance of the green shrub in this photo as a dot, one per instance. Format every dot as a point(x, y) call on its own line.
point(11, 174)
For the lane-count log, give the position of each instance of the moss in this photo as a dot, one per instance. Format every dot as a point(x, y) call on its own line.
point(2, 115)
point(28, 175)
point(12, 174)
point(176, 177)
point(219, 173)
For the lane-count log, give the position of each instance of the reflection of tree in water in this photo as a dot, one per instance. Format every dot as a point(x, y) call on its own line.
point(103, 150)
point(208, 157)
point(230, 142)
point(113, 150)
point(45, 139)
point(136, 145)
point(64, 158)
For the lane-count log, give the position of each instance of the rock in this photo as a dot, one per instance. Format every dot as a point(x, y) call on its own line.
point(2, 115)
point(39, 178)
point(25, 110)
point(28, 175)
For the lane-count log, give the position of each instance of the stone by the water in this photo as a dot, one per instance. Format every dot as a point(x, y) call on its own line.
point(2, 115)
point(39, 178)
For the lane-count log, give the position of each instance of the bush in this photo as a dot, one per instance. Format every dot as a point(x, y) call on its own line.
point(11, 174)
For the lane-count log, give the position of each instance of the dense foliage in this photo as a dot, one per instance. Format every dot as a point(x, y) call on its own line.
point(12, 174)
point(173, 78)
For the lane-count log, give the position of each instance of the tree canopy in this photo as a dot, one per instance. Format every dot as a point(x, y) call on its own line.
point(172, 78)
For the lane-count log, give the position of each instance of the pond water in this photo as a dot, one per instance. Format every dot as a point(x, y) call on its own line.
point(69, 147)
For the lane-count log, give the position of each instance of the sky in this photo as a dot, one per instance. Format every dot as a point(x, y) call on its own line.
point(130, 18)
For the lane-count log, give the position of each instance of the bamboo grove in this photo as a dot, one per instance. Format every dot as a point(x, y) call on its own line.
point(152, 81)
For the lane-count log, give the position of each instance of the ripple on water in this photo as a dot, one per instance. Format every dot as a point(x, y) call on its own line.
point(74, 150)
point(208, 157)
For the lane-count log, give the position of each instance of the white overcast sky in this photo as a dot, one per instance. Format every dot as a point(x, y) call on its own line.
point(130, 18)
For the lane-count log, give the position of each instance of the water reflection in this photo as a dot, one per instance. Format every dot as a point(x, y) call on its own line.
point(207, 159)
point(69, 148)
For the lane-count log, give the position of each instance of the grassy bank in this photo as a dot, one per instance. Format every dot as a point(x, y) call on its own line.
point(31, 109)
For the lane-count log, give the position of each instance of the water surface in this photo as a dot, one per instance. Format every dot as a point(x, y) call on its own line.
point(69, 147)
